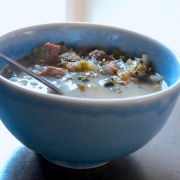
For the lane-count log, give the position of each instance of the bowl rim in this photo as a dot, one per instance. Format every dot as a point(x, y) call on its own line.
point(56, 97)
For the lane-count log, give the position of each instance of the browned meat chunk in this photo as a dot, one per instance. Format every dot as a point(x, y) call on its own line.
point(51, 71)
point(50, 52)
point(100, 55)
point(70, 56)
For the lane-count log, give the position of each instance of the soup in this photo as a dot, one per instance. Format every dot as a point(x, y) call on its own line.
point(88, 73)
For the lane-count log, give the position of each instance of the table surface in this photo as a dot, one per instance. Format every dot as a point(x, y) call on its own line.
point(158, 160)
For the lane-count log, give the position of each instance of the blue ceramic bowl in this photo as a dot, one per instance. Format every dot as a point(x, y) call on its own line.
point(82, 133)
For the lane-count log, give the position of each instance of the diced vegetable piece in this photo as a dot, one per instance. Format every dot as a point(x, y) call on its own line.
point(81, 87)
point(93, 86)
point(157, 87)
point(155, 78)
point(108, 82)
point(92, 66)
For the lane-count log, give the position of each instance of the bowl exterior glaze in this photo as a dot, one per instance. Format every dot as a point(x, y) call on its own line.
point(85, 130)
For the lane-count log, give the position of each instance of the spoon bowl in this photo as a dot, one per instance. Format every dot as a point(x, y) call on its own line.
point(31, 73)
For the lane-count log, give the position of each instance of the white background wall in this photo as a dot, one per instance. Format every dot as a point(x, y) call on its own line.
point(15, 14)
point(159, 19)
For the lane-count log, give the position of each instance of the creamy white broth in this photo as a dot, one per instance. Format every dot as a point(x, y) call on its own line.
point(71, 89)
point(95, 81)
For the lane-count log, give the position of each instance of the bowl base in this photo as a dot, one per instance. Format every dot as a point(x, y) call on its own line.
point(73, 165)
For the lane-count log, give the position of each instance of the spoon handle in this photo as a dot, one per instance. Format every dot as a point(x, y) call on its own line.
point(23, 68)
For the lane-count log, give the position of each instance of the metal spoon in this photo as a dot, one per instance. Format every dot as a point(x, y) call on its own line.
point(23, 68)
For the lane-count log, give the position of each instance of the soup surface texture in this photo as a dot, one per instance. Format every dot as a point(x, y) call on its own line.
point(88, 73)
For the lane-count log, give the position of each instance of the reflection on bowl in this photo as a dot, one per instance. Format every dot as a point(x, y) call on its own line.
point(84, 133)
